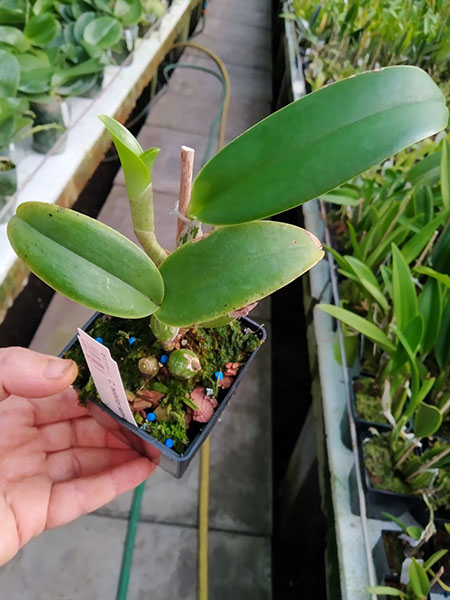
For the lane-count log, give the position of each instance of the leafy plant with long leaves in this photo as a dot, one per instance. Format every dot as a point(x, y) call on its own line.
point(389, 306)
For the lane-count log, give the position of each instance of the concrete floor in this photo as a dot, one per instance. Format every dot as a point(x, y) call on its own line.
point(81, 561)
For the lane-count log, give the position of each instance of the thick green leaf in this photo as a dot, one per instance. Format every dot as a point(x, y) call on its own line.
point(425, 388)
point(128, 11)
point(404, 339)
point(418, 579)
point(436, 556)
point(430, 307)
point(412, 334)
point(317, 143)
point(442, 348)
point(354, 242)
point(9, 74)
point(85, 260)
point(81, 23)
point(137, 175)
point(427, 420)
point(91, 66)
point(219, 322)
point(231, 268)
point(397, 236)
point(414, 532)
point(13, 37)
point(417, 243)
point(368, 280)
point(427, 171)
point(41, 29)
point(121, 134)
point(341, 199)
point(403, 290)
point(445, 279)
point(103, 32)
point(445, 173)
point(386, 591)
point(36, 81)
point(424, 203)
point(362, 325)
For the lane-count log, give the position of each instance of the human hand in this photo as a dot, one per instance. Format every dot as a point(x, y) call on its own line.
point(56, 462)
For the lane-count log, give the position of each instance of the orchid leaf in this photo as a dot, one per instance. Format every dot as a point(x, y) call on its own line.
point(418, 579)
point(417, 243)
point(434, 558)
point(427, 420)
point(231, 268)
point(426, 171)
point(445, 173)
point(442, 277)
point(317, 143)
point(407, 339)
point(137, 166)
point(403, 291)
point(85, 260)
point(360, 324)
point(430, 307)
point(386, 591)
point(442, 348)
point(368, 280)
point(340, 199)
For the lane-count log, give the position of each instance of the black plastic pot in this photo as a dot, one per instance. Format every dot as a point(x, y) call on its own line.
point(378, 501)
point(48, 113)
point(388, 564)
point(121, 52)
point(96, 88)
point(362, 426)
point(169, 460)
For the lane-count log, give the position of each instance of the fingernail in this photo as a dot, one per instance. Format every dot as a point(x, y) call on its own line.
point(57, 367)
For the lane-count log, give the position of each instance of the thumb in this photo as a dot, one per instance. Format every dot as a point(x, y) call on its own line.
point(30, 374)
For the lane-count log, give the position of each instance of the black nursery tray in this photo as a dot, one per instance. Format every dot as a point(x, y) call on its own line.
point(143, 442)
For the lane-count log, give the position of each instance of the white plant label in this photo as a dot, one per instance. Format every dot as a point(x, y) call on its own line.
point(106, 376)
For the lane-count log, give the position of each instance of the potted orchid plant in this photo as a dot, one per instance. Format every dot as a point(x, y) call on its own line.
point(184, 304)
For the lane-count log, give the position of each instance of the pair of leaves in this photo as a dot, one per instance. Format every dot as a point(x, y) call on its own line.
point(96, 266)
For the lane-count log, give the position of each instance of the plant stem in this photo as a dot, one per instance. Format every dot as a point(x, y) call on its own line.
point(400, 211)
point(445, 408)
point(144, 225)
point(405, 455)
point(426, 249)
point(429, 464)
point(437, 576)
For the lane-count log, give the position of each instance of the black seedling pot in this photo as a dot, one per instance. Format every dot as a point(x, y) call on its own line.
point(144, 443)
point(362, 426)
point(378, 501)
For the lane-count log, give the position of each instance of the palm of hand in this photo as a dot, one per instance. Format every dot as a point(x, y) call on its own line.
point(56, 463)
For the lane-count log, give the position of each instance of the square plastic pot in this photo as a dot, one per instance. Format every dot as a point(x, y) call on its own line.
point(378, 501)
point(144, 443)
point(362, 426)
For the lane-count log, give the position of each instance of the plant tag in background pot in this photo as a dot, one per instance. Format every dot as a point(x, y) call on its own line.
point(106, 376)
